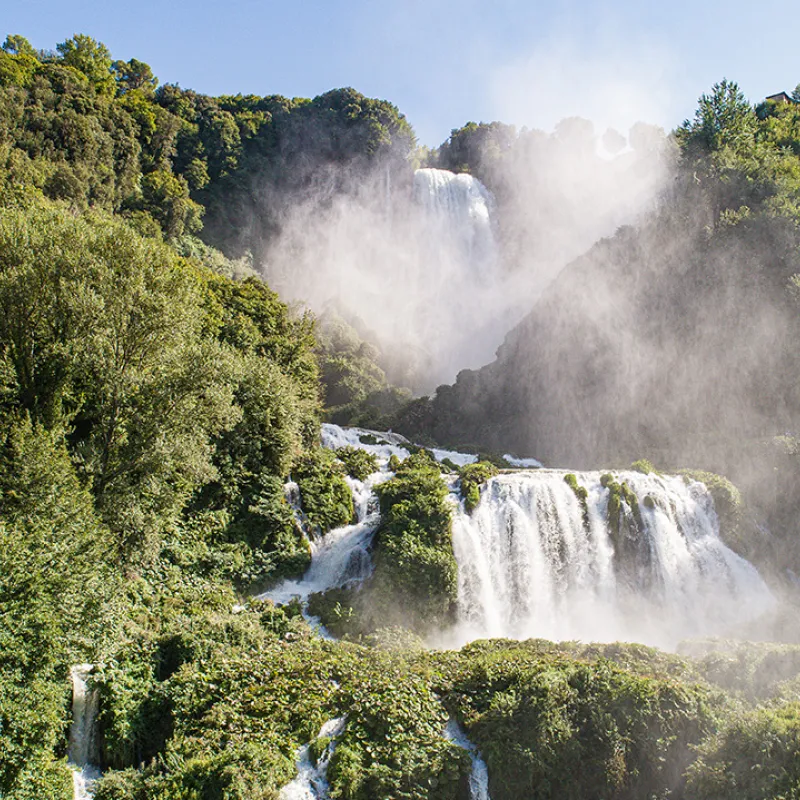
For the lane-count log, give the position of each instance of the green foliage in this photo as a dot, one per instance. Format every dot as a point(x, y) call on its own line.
point(90, 57)
point(755, 671)
point(166, 198)
point(582, 493)
point(550, 726)
point(476, 148)
point(737, 530)
point(359, 463)
point(644, 466)
point(415, 578)
point(324, 494)
point(103, 329)
point(723, 118)
point(393, 744)
point(620, 497)
point(756, 756)
point(472, 476)
point(55, 583)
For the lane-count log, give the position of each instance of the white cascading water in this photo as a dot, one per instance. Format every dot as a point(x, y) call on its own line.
point(459, 207)
point(82, 754)
point(311, 782)
point(531, 565)
point(342, 556)
point(479, 777)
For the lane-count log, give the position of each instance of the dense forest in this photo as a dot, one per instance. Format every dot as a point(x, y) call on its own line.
point(156, 395)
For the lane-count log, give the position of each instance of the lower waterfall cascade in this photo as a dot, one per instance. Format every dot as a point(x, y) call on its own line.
point(534, 560)
point(311, 781)
point(479, 777)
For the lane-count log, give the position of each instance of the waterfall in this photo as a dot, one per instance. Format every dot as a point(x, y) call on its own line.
point(479, 777)
point(534, 561)
point(311, 782)
point(342, 556)
point(83, 748)
point(459, 207)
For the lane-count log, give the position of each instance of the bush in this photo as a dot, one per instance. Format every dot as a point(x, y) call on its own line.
point(359, 463)
point(756, 756)
point(324, 494)
point(549, 726)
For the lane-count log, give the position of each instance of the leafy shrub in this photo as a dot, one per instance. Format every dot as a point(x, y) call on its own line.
point(553, 727)
point(415, 579)
point(359, 463)
point(324, 494)
point(756, 756)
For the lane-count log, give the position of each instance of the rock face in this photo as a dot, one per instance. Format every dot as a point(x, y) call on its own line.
point(664, 341)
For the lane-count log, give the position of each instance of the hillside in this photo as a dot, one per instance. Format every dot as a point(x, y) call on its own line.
point(161, 465)
point(674, 340)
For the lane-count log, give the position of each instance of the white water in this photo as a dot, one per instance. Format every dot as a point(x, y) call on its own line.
point(459, 207)
point(388, 443)
point(479, 777)
point(311, 782)
point(342, 556)
point(530, 567)
point(82, 745)
point(522, 462)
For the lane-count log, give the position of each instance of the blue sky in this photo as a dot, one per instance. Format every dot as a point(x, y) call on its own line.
point(444, 62)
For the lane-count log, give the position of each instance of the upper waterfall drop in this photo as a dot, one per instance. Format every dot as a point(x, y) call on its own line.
point(460, 207)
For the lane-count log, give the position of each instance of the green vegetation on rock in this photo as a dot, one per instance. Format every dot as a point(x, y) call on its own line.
point(359, 463)
point(472, 477)
point(324, 493)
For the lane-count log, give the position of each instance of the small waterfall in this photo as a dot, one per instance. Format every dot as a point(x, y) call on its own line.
point(311, 782)
point(83, 748)
point(479, 777)
point(383, 445)
point(536, 562)
point(342, 556)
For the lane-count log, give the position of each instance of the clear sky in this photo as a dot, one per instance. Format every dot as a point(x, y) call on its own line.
point(443, 62)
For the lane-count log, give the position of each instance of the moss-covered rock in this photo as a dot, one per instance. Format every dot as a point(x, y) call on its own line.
point(472, 477)
point(582, 493)
point(737, 528)
point(644, 466)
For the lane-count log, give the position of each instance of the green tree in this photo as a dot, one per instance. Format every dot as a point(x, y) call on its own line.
point(104, 331)
point(55, 583)
point(90, 57)
point(17, 45)
point(134, 74)
point(166, 198)
point(724, 118)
